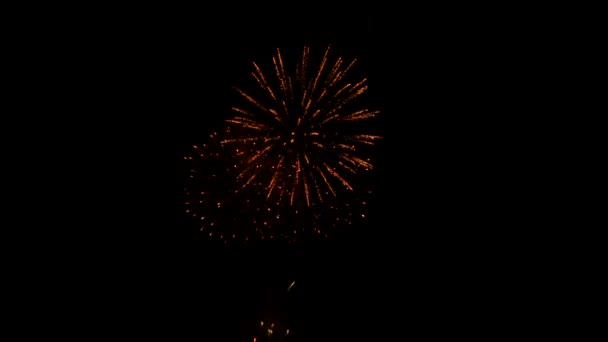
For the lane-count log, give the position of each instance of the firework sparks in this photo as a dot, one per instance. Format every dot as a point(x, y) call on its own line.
point(292, 150)
point(294, 119)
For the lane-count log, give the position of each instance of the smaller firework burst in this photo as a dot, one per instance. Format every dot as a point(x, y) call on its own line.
point(223, 210)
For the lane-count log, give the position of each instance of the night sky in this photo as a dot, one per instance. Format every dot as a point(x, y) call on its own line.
point(476, 220)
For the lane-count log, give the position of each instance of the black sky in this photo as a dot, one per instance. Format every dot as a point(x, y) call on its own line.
point(476, 222)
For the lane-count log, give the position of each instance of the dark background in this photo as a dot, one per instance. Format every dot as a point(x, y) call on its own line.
point(484, 180)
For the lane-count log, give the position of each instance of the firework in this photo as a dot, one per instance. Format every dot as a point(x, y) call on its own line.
point(292, 153)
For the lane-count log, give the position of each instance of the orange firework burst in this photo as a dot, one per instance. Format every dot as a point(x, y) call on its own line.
point(292, 152)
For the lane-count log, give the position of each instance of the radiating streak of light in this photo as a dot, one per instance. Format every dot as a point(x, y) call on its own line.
point(337, 175)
